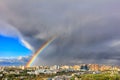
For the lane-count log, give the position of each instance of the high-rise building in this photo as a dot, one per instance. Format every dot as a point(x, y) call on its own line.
point(93, 67)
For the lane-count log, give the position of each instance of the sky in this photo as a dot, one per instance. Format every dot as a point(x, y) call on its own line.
point(88, 30)
point(12, 47)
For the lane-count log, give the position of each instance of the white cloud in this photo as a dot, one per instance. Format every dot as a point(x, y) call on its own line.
point(8, 30)
point(27, 45)
point(21, 60)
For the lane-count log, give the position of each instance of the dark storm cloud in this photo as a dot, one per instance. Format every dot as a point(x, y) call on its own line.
point(88, 30)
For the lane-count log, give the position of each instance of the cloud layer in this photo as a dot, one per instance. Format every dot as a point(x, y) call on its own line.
point(14, 61)
point(88, 30)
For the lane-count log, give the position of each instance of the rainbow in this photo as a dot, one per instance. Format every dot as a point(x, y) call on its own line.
point(39, 51)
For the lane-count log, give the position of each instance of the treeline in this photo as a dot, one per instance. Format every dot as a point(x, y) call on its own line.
point(97, 77)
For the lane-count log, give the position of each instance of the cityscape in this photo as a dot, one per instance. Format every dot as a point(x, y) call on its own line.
point(60, 72)
point(59, 39)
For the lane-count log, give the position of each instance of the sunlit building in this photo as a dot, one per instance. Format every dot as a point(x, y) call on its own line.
point(76, 67)
point(93, 67)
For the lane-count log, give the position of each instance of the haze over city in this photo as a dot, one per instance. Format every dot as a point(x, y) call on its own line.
point(87, 31)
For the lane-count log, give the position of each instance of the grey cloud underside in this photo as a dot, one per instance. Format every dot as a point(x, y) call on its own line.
point(86, 28)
